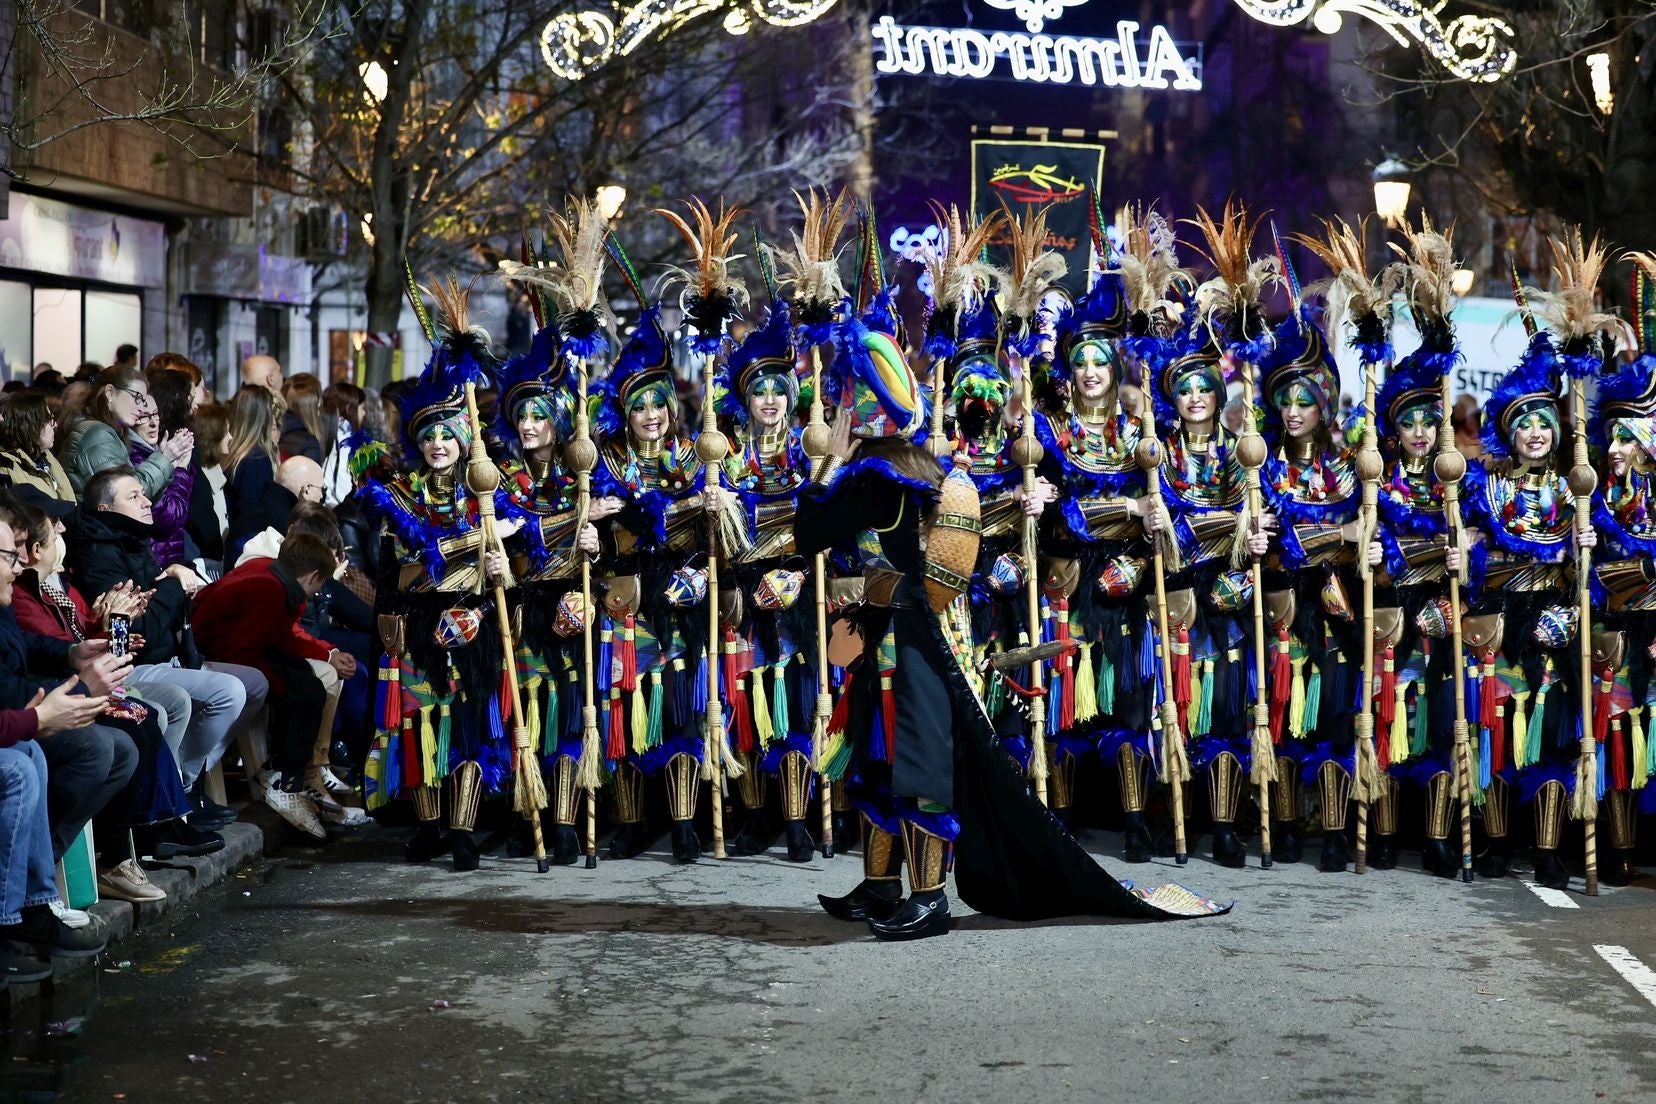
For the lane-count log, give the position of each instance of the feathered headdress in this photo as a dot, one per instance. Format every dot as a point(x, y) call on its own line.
point(1644, 299)
point(962, 281)
point(575, 281)
point(1415, 381)
point(1570, 311)
point(1429, 281)
point(460, 355)
point(646, 361)
point(1629, 390)
point(767, 352)
point(538, 374)
point(1032, 271)
point(1533, 385)
point(1301, 356)
point(811, 267)
point(1148, 262)
point(1354, 296)
point(712, 295)
point(872, 383)
point(1229, 301)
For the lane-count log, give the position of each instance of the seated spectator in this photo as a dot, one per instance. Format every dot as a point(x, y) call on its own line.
point(108, 544)
point(154, 803)
point(299, 479)
point(100, 441)
point(251, 616)
point(303, 430)
point(347, 406)
point(262, 371)
point(169, 417)
point(30, 912)
point(178, 362)
point(209, 511)
point(27, 433)
point(49, 382)
point(126, 356)
point(249, 457)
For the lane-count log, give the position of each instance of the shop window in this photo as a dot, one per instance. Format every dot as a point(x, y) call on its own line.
point(57, 328)
point(16, 332)
point(113, 319)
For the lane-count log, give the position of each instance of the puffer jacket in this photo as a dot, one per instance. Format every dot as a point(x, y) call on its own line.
point(170, 508)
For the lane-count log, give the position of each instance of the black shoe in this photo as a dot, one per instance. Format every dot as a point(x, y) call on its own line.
point(1227, 849)
point(466, 855)
point(686, 847)
point(427, 844)
point(1286, 845)
point(179, 839)
point(209, 814)
point(1136, 846)
point(1383, 855)
point(42, 931)
point(1619, 870)
point(21, 968)
point(1336, 852)
point(340, 757)
point(755, 836)
point(629, 840)
point(801, 848)
point(1493, 862)
point(869, 901)
point(919, 917)
point(1439, 858)
point(1550, 870)
point(566, 846)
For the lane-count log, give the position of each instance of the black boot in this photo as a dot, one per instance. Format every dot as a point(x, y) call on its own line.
point(1383, 855)
point(686, 847)
point(1437, 857)
point(921, 916)
point(428, 843)
point(846, 836)
point(1335, 852)
point(869, 901)
point(1286, 845)
point(629, 840)
point(1619, 870)
point(1550, 870)
point(566, 846)
point(466, 855)
point(1136, 845)
point(755, 835)
point(801, 849)
point(1228, 850)
point(1493, 862)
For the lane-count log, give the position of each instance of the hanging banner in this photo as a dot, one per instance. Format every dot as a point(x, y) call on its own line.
point(1060, 176)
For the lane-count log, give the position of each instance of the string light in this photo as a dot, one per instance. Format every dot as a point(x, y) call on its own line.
point(576, 43)
point(1598, 67)
point(1473, 47)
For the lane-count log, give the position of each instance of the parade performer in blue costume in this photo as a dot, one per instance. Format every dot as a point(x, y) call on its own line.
point(440, 722)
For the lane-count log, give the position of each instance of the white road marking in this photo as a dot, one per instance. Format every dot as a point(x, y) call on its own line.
point(1636, 973)
point(1557, 898)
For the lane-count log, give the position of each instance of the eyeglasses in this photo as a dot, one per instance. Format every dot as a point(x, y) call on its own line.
point(142, 398)
point(9, 559)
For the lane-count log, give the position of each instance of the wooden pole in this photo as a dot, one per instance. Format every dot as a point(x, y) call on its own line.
point(815, 442)
point(712, 448)
point(1175, 764)
point(1027, 453)
point(1583, 480)
point(1250, 452)
point(582, 457)
point(1450, 468)
point(1371, 779)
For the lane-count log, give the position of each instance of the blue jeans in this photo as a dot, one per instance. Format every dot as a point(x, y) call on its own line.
point(28, 875)
point(219, 694)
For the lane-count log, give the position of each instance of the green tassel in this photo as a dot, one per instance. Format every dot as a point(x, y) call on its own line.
point(1417, 735)
point(1204, 716)
point(445, 728)
point(1313, 702)
point(1106, 682)
point(549, 720)
point(652, 736)
point(1532, 748)
point(779, 700)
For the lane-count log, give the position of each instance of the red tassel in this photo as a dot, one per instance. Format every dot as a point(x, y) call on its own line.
point(1282, 684)
point(1066, 668)
point(1618, 761)
point(842, 709)
point(627, 649)
point(411, 754)
point(736, 695)
point(616, 747)
point(1385, 705)
point(1601, 705)
point(888, 714)
point(506, 700)
point(1490, 712)
point(1181, 679)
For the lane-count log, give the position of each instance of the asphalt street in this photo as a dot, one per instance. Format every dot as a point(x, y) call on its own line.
point(342, 974)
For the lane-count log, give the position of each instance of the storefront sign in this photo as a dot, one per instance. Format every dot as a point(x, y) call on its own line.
point(60, 239)
point(247, 272)
point(1059, 177)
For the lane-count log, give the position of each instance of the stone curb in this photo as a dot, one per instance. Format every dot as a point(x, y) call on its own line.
point(259, 832)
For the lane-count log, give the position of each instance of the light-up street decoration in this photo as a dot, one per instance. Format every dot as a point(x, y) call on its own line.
point(576, 43)
point(1126, 61)
point(1472, 47)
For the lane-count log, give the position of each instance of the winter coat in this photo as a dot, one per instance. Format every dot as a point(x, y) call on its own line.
point(49, 478)
point(171, 508)
point(251, 617)
point(106, 548)
point(93, 447)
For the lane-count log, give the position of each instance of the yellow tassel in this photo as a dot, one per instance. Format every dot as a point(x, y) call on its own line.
point(428, 746)
point(1400, 724)
point(763, 729)
point(1520, 729)
point(1641, 768)
point(1194, 709)
point(1296, 700)
point(640, 718)
point(1086, 686)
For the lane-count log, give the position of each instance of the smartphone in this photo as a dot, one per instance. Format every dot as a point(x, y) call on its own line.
point(120, 630)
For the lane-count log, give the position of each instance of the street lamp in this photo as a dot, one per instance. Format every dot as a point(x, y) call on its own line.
point(610, 199)
point(1461, 282)
point(1598, 68)
point(1391, 190)
point(375, 79)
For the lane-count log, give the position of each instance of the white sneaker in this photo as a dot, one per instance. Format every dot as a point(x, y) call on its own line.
point(126, 881)
point(298, 810)
point(344, 816)
point(70, 918)
point(333, 784)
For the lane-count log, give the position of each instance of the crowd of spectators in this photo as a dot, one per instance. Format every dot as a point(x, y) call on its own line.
point(178, 586)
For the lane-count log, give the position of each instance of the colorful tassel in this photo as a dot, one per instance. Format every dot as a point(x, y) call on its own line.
point(1086, 686)
point(1204, 715)
point(763, 730)
point(1283, 674)
point(657, 711)
point(780, 720)
point(1520, 728)
point(615, 745)
point(1296, 697)
point(628, 654)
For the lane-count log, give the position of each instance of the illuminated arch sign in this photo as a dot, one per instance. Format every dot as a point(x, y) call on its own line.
point(1130, 60)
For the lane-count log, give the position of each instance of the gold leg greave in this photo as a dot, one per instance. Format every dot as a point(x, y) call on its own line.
point(1224, 787)
point(428, 802)
point(751, 786)
point(629, 793)
point(839, 798)
point(1385, 809)
point(1285, 791)
point(881, 860)
point(1497, 802)
point(1549, 815)
point(683, 776)
point(1624, 818)
point(1130, 767)
point(1060, 777)
point(566, 799)
point(928, 858)
point(795, 770)
point(1440, 804)
point(1334, 787)
point(467, 781)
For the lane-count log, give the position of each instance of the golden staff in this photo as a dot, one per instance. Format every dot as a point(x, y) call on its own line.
point(1027, 454)
point(1250, 453)
point(815, 442)
point(711, 449)
point(482, 480)
point(1582, 482)
point(581, 455)
point(1450, 468)
point(1370, 774)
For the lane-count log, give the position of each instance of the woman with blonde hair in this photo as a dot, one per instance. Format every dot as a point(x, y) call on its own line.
point(249, 459)
point(303, 431)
